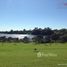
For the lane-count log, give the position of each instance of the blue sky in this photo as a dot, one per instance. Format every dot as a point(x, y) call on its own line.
point(20, 14)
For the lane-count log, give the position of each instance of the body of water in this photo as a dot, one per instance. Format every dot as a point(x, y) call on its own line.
point(19, 36)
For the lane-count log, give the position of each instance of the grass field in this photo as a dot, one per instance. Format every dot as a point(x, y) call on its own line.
point(23, 55)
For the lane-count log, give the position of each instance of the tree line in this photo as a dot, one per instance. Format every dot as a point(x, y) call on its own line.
point(46, 35)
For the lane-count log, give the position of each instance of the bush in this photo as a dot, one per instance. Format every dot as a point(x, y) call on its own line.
point(47, 39)
point(26, 40)
point(63, 38)
point(38, 39)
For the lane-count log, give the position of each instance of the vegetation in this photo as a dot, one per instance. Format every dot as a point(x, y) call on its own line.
point(46, 35)
point(25, 55)
point(24, 52)
point(26, 40)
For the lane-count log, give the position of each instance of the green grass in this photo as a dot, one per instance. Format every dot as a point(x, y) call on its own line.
point(23, 55)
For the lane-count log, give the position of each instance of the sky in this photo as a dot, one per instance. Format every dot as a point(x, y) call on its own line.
point(28, 14)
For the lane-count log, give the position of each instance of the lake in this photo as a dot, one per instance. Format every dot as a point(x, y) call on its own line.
point(19, 36)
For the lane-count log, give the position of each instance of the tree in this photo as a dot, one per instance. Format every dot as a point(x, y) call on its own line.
point(26, 40)
point(63, 38)
point(47, 31)
point(54, 37)
point(38, 39)
point(11, 32)
point(47, 39)
point(37, 31)
point(3, 39)
point(9, 39)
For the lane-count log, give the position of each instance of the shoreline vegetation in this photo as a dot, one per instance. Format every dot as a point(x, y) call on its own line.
point(46, 35)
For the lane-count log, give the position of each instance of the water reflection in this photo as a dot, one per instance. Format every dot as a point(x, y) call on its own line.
point(20, 36)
